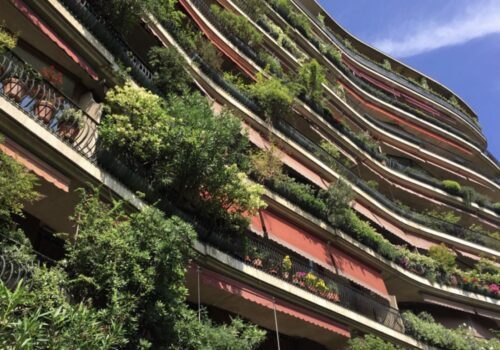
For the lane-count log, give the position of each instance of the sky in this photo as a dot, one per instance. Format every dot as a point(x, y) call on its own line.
point(456, 42)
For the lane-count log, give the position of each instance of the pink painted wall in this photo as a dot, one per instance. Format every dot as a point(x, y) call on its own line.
point(300, 240)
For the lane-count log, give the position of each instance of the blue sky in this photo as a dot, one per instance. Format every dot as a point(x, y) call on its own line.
point(456, 42)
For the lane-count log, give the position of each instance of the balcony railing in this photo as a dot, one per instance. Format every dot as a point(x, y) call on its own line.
point(385, 72)
point(112, 40)
point(264, 254)
point(47, 105)
point(292, 268)
point(12, 272)
point(425, 220)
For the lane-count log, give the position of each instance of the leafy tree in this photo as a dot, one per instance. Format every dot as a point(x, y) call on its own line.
point(371, 342)
point(17, 186)
point(310, 79)
point(337, 199)
point(273, 95)
point(7, 39)
point(185, 150)
point(169, 73)
point(237, 25)
point(122, 286)
point(443, 255)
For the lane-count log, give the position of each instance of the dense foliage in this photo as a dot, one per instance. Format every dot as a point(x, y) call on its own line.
point(310, 78)
point(7, 40)
point(424, 328)
point(124, 14)
point(273, 95)
point(122, 286)
point(184, 150)
point(370, 342)
point(170, 75)
point(237, 25)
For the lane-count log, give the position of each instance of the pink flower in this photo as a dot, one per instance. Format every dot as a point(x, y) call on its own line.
point(494, 288)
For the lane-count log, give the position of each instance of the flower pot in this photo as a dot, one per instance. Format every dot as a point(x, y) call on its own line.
point(68, 131)
point(257, 263)
point(14, 88)
point(286, 275)
point(333, 297)
point(44, 110)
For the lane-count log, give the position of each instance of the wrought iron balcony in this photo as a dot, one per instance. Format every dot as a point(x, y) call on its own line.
point(11, 272)
point(112, 40)
point(403, 81)
point(292, 268)
point(25, 87)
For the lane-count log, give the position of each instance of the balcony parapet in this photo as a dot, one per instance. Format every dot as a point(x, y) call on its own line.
point(38, 98)
point(403, 81)
point(112, 40)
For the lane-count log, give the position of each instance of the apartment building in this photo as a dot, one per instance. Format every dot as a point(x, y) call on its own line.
point(408, 147)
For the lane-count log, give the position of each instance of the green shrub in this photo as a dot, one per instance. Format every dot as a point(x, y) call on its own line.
point(303, 195)
point(444, 256)
point(371, 342)
point(338, 198)
point(445, 215)
point(238, 26)
point(451, 186)
point(30, 322)
point(273, 95)
point(266, 164)
point(169, 73)
point(424, 328)
point(496, 207)
point(7, 40)
point(387, 64)
point(209, 53)
point(310, 79)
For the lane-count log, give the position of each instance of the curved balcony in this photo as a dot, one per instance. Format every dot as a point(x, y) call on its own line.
point(112, 40)
point(405, 107)
point(25, 88)
point(268, 256)
point(370, 64)
point(227, 3)
point(12, 272)
point(438, 224)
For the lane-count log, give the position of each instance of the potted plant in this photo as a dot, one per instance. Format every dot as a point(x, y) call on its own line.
point(310, 281)
point(48, 98)
point(14, 87)
point(298, 278)
point(286, 266)
point(69, 124)
point(333, 292)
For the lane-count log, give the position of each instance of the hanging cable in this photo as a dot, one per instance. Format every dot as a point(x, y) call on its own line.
point(276, 324)
point(199, 296)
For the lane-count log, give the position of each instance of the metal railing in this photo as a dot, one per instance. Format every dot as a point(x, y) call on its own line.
point(12, 272)
point(269, 257)
point(204, 8)
point(426, 220)
point(112, 40)
point(392, 75)
point(47, 105)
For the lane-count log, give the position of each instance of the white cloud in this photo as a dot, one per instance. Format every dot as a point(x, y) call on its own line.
point(477, 19)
